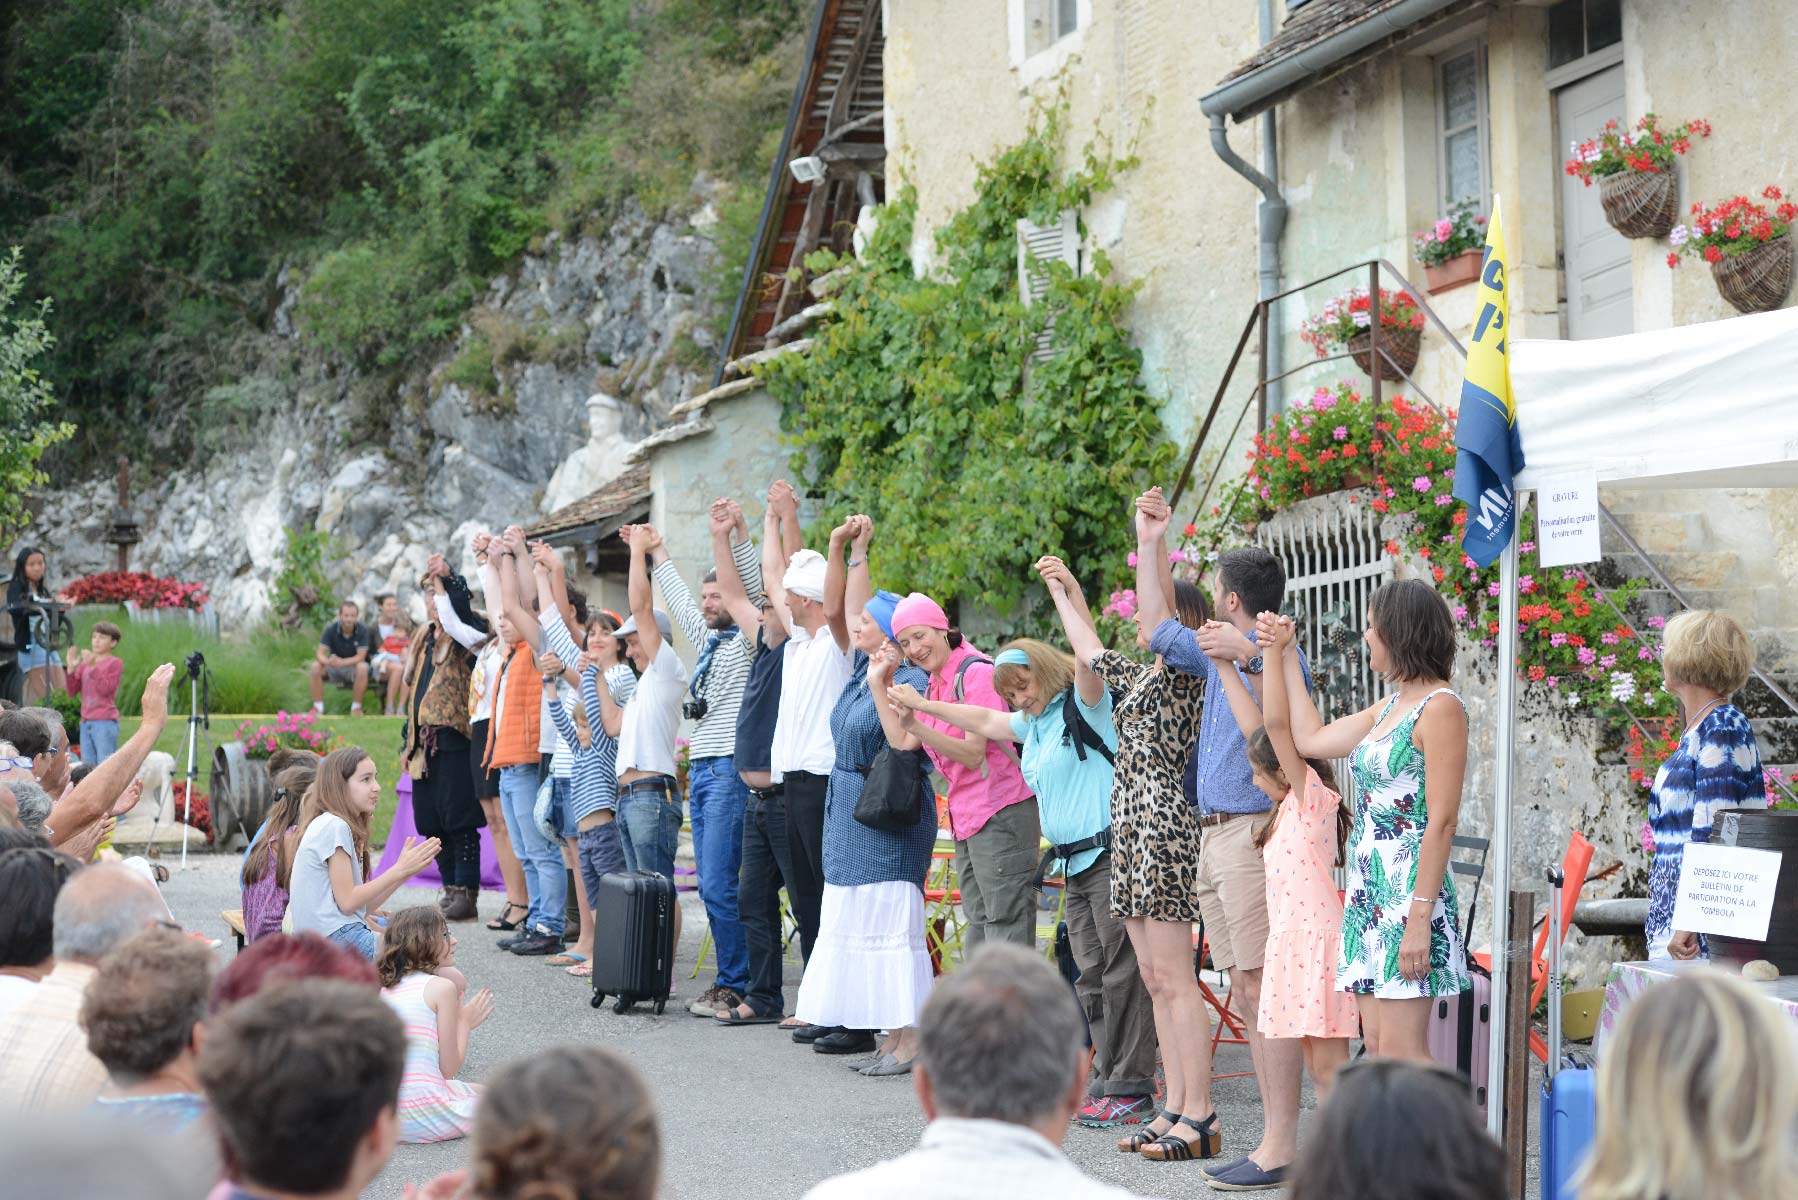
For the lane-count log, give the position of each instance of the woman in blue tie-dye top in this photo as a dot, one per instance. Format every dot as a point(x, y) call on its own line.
point(1706, 659)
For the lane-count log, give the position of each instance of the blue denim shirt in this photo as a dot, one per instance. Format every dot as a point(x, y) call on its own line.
point(1218, 778)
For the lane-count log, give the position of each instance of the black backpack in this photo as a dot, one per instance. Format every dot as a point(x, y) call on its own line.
point(1083, 734)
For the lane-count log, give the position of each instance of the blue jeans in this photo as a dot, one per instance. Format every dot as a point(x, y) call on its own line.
point(99, 741)
point(357, 937)
point(715, 800)
point(649, 818)
point(600, 851)
point(545, 880)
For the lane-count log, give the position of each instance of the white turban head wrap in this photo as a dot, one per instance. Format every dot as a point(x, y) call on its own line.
point(805, 575)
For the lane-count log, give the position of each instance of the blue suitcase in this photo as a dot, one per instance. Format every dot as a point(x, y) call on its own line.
point(1570, 1093)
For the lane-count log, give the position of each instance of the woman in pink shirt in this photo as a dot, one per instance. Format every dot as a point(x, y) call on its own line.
point(992, 812)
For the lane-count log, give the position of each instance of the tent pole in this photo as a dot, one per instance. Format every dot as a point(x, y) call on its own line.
point(1504, 743)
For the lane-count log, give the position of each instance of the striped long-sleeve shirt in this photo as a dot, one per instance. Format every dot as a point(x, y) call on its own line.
point(722, 687)
point(593, 778)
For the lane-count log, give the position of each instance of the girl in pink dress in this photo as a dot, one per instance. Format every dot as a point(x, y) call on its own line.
point(1301, 843)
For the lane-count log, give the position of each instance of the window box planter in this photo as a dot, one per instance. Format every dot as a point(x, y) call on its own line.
point(1458, 271)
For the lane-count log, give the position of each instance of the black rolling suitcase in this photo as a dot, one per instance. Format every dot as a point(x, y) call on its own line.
point(633, 939)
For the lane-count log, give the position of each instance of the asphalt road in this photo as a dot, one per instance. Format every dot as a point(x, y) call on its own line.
point(745, 1113)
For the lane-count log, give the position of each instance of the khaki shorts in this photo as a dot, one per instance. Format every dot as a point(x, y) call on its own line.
point(1232, 885)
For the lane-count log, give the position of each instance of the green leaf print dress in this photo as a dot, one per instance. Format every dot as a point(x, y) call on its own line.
point(1390, 817)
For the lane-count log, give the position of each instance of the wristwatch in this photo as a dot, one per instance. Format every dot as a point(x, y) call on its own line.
point(1253, 666)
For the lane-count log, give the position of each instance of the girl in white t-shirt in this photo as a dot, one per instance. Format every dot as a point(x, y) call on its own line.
point(328, 894)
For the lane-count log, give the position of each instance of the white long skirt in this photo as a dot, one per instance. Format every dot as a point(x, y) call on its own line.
point(870, 968)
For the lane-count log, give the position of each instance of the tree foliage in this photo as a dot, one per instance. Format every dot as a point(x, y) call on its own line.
point(163, 161)
point(26, 429)
point(920, 403)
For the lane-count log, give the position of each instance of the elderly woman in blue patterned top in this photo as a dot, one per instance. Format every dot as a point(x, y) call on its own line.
point(870, 968)
point(1705, 658)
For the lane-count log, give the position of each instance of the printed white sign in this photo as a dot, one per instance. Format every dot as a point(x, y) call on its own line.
point(1567, 520)
point(1726, 890)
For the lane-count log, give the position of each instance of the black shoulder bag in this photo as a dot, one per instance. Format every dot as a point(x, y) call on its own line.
point(892, 791)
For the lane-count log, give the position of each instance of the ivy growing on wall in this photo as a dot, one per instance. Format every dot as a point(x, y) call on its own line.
point(920, 403)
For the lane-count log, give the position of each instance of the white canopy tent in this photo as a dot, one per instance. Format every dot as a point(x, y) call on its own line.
point(1699, 406)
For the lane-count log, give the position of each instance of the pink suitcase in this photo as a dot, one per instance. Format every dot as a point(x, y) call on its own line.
point(1460, 1032)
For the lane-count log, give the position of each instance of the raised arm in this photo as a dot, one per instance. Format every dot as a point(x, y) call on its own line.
point(1083, 639)
point(511, 582)
point(836, 579)
point(677, 597)
point(748, 559)
point(92, 799)
point(774, 564)
point(1310, 735)
point(792, 538)
point(743, 611)
point(1276, 708)
point(1152, 518)
point(642, 539)
point(860, 587)
point(1242, 704)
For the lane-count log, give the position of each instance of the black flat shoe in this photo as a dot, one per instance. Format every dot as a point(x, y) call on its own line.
point(844, 1041)
point(811, 1033)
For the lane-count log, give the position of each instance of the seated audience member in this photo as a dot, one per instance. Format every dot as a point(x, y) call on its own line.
point(44, 1059)
point(45, 743)
point(52, 1156)
point(575, 1123)
point(1399, 1131)
point(142, 1013)
point(30, 876)
point(341, 659)
point(388, 642)
point(416, 947)
point(94, 676)
point(286, 958)
point(34, 805)
point(1697, 1097)
point(1001, 1069)
point(268, 863)
point(304, 1080)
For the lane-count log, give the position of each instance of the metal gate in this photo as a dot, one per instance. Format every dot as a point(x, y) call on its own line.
point(1334, 558)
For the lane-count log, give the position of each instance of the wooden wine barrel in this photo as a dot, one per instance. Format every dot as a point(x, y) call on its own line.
point(241, 794)
point(1763, 829)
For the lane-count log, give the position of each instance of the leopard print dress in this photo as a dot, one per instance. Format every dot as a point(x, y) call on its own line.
point(1154, 831)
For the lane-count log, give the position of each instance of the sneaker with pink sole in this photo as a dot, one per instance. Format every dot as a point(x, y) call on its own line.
point(1108, 1112)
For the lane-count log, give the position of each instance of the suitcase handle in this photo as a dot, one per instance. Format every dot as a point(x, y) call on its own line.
point(1556, 881)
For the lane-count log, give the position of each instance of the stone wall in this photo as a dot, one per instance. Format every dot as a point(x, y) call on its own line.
point(607, 307)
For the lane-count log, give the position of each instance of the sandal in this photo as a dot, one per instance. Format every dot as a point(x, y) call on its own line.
point(1169, 1148)
point(732, 1017)
point(502, 922)
point(1142, 1137)
point(581, 970)
point(567, 958)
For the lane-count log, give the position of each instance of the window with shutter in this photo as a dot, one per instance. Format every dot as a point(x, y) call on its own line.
point(1039, 246)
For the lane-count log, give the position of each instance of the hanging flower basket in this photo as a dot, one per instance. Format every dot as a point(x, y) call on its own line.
point(1462, 269)
point(1640, 204)
point(1748, 245)
point(1398, 351)
point(1759, 278)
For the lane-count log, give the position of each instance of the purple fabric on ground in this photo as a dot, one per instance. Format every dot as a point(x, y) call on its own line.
point(404, 827)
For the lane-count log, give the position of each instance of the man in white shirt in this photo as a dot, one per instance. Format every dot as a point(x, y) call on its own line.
point(1001, 1068)
point(818, 662)
point(649, 802)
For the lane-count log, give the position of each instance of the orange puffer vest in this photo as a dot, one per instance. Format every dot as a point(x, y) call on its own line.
point(517, 725)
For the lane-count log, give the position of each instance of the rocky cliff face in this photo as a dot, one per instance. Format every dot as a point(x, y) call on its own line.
point(591, 342)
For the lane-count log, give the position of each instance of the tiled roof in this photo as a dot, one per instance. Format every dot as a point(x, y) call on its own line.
point(615, 503)
point(1309, 26)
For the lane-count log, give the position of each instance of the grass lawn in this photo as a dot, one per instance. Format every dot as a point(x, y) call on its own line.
point(380, 736)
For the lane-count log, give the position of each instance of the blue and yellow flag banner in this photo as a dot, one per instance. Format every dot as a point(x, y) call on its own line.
point(1490, 451)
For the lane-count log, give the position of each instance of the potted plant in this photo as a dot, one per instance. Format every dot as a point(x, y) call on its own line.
point(1347, 321)
point(1450, 250)
point(1748, 245)
point(1635, 172)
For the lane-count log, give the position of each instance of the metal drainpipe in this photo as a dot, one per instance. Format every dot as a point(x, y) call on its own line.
point(1270, 214)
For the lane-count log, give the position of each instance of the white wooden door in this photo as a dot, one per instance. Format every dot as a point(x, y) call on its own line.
point(1596, 257)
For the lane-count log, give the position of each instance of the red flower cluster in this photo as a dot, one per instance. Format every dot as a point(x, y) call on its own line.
point(1647, 148)
point(200, 817)
point(139, 588)
point(1733, 227)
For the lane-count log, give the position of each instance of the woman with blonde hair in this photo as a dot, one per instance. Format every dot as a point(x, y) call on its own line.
point(1697, 1097)
point(330, 892)
point(1705, 659)
point(1063, 722)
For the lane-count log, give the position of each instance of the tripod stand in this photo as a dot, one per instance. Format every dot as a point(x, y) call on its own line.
point(198, 714)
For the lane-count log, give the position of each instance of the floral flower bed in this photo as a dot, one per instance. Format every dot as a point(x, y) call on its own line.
point(200, 816)
point(139, 588)
point(1647, 148)
point(1731, 228)
point(1574, 648)
point(295, 731)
